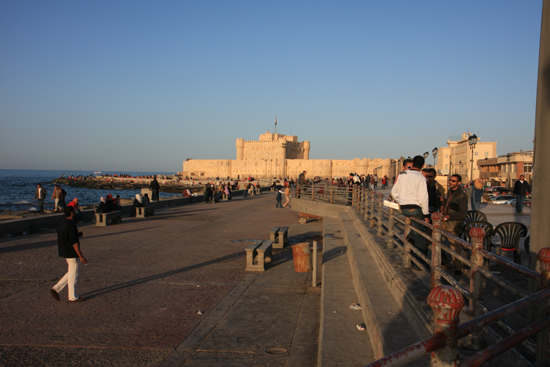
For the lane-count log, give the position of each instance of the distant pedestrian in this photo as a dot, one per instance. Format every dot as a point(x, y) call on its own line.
point(68, 247)
point(246, 188)
point(154, 187)
point(476, 194)
point(77, 213)
point(59, 196)
point(287, 196)
point(521, 189)
point(40, 194)
point(279, 195)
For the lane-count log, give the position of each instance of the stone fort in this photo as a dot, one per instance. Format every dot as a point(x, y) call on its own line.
point(278, 155)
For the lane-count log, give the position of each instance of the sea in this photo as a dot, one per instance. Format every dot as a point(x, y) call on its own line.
point(17, 188)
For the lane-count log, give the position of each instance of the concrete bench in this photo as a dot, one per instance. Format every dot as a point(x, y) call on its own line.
point(258, 191)
point(225, 197)
point(143, 211)
point(258, 254)
point(102, 219)
point(303, 217)
point(279, 236)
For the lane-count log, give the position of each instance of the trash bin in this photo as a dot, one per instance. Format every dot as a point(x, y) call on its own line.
point(302, 259)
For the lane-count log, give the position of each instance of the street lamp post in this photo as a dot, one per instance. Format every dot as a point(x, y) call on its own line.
point(434, 152)
point(472, 141)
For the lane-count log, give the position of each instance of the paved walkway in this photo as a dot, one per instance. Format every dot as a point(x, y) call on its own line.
point(170, 290)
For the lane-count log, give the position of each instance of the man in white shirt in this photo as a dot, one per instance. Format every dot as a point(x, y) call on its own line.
point(411, 193)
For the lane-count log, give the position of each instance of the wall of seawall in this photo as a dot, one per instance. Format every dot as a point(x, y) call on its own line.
point(15, 227)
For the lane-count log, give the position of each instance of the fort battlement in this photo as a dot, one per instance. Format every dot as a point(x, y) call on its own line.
point(279, 155)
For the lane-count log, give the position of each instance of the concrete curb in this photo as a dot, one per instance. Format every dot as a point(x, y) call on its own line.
point(407, 289)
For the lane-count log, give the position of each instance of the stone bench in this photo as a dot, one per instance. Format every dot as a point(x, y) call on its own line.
point(258, 191)
point(143, 211)
point(279, 236)
point(225, 197)
point(258, 254)
point(102, 219)
point(303, 217)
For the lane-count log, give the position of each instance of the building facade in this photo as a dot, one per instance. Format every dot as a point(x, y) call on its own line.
point(506, 169)
point(457, 157)
point(281, 156)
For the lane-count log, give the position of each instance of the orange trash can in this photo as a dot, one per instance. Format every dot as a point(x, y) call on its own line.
point(301, 253)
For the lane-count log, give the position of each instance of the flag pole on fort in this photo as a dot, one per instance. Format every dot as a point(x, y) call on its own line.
point(275, 124)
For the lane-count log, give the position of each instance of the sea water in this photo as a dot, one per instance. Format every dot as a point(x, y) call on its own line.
point(17, 188)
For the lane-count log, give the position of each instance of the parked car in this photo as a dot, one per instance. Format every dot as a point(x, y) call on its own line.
point(502, 199)
point(499, 190)
point(512, 202)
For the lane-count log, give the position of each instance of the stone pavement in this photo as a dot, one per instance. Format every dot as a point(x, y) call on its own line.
point(169, 290)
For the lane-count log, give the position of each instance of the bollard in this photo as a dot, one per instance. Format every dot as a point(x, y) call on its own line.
point(477, 236)
point(407, 263)
point(389, 243)
point(446, 303)
point(380, 215)
point(314, 275)
point(436, 250)
point(302, 259)
point(544, 308)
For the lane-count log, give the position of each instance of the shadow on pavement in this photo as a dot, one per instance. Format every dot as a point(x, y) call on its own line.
point(131, 283)
point(28, 246)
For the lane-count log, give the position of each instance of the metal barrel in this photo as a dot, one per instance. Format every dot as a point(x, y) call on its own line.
point(302, 257)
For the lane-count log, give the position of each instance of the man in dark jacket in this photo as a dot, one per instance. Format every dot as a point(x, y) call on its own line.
point(454, 210)
point(40, 194)
point(68, 247)
point(521, 189)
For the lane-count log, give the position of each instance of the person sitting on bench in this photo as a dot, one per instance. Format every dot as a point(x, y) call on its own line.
point(138, 202)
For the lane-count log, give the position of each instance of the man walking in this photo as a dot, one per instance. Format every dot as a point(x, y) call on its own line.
point(154, 187)
point(40, 194)
point(59, 196)
point(521, 189)
point(411, 193)
point(68, 247)
point(454, 210)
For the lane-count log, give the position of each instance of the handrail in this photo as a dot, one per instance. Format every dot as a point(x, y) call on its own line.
point(369, 206)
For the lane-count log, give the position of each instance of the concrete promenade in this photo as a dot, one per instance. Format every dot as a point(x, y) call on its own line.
point(169, 290)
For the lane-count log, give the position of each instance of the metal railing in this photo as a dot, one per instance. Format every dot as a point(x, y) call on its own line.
point(447, 301)
point(326, 192)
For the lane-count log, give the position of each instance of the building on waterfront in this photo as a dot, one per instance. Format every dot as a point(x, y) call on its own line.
point(457, 157)
point(505, 170)
point(278, 155)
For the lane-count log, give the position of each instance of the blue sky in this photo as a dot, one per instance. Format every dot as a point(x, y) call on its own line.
point(143, 85)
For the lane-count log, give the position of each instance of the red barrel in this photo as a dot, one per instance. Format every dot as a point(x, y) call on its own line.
point(302, 257)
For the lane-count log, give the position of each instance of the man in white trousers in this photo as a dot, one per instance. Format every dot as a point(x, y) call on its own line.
point(68, 247)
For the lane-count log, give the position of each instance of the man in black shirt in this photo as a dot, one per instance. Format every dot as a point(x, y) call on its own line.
point(68, 247)
point(521, 189)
